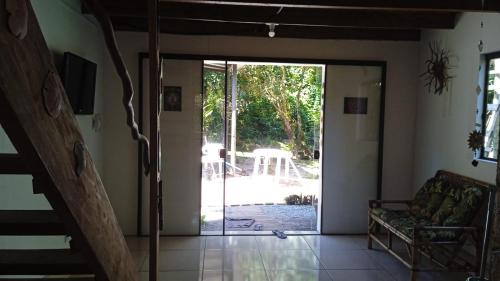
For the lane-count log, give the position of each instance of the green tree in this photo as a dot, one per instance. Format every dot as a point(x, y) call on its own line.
point(295, 94)
point(276, 104)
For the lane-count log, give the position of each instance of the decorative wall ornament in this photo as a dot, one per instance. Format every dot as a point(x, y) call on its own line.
point(18, 17)
point(437, 74)
point(480, 46)
point(95, 7)
point(52, 94)
point(475, 143)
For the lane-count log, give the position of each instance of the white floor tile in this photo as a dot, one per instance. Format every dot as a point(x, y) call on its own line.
point(268, 243)
point(231, 242)
point(173, 260)
point(300, 275)
point(245, 275)
point(291, 260)
point(233, 260)
point(137, 243)
point(174, 276)
point(332, 243)
point(360, 275)
point(139, 258)
point(345, 259)
point(182, 243)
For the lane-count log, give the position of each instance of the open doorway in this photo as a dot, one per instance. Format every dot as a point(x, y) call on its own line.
point(261, 147)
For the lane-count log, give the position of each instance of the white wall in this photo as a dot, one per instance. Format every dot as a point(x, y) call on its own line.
point(120, 159)
point(444, 122)
point(180, 134)
point(64, 29)
point(350, 148)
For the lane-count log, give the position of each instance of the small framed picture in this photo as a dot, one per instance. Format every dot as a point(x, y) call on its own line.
point(172, 98)
point(355, 105)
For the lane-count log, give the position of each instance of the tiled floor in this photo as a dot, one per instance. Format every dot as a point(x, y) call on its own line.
point(267, 258)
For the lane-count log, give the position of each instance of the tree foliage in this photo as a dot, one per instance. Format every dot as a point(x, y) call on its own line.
point(278, 106)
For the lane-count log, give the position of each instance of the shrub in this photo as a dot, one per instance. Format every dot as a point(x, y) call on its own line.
point(295, 199)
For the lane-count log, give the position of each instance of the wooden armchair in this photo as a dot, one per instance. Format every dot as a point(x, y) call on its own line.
point(447, 212)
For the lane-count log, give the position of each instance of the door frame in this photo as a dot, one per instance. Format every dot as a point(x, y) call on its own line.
point(201, 57)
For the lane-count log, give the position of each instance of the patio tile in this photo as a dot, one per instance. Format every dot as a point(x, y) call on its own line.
point(173, 260)
point(300, 275)
point(231, 242)
point(182, 243)
point(273, 243)
point(333, 243)
point(360, 275)
point(239, 275)
point(346, 259)
point(291, 260)
point(233, 260)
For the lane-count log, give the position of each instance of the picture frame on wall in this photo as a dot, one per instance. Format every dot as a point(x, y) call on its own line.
point(356, 105)
point(172, 98)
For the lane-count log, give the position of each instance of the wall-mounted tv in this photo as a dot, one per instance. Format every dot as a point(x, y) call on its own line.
point(79, 78)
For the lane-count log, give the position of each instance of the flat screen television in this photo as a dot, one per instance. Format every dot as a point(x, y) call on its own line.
point(79, 78)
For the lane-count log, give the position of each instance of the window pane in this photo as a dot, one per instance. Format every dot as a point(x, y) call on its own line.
point(492, 106)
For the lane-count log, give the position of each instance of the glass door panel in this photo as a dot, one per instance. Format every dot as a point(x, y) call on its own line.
point(213, 148)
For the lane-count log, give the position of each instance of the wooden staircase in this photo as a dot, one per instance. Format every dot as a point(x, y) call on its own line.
point(37, 117)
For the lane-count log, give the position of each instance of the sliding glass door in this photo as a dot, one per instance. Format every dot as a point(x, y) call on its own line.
point(261, 162)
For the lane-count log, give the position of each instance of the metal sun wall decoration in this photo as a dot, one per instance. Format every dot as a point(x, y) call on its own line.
point(475, 142)
point(438, 65)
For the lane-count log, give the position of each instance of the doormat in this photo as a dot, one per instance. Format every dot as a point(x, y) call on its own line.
point(239, 223)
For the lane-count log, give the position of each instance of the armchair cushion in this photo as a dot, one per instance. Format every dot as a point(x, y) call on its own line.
point(406, 225)
point(467, 207)
point(388, 214)
point(429, 198)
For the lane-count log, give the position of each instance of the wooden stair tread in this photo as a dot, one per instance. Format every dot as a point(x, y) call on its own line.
point(12, 164)
point(42, 262)
point(50, 279)
point(30, 222)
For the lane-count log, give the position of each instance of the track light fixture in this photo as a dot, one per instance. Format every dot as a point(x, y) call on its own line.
point(272, 31)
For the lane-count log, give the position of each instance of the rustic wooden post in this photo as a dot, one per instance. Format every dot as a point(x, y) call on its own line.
point(154, 81)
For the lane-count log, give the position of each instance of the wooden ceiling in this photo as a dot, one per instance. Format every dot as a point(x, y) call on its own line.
point(317, 19)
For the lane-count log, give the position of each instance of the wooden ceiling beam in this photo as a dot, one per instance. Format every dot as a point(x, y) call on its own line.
point(289, 16)
point(191, 27)
point(404, 5)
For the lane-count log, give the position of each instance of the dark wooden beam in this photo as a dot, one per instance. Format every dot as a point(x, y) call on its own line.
point(289, 16)
point(404, 5)
point(12, 164)
point(189, 27)
point(30, 222)
point(153, 29)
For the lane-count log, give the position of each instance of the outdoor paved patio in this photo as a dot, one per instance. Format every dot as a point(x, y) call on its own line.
point(282, 217)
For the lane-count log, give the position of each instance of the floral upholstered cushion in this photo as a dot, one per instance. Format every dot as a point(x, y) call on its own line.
point(388, 214)
point(466, 208)
point(406, 225)
point(429, 198)
point(446, 209)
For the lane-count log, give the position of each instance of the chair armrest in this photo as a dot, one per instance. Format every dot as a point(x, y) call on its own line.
point(372, 203)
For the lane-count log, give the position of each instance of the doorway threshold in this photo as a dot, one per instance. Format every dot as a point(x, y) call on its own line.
point(256, 233)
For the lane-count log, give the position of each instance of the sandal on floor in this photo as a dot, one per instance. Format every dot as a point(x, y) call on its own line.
point(280, 234)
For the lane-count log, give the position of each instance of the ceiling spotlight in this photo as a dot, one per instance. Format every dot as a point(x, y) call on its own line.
point(272, 26)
